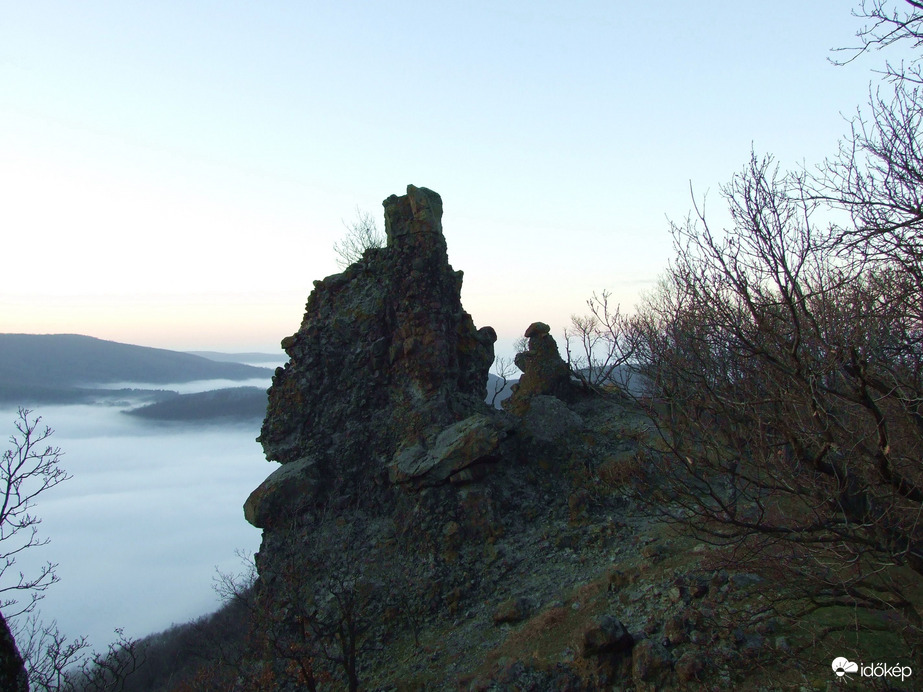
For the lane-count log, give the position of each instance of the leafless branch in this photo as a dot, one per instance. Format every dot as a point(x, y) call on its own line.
point(361, 235)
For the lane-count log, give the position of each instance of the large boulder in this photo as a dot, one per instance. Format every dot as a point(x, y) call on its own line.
point(457, 448)
point(279, 497)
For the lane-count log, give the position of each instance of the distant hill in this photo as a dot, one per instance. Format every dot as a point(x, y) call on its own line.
point(252, 357)
point(625, 377)
point(495, 386)
point(235, 403)
point(52, 365)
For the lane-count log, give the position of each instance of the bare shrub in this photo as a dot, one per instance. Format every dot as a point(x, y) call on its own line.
point(29, 468)
point(599, 346)
point(788, 376)
point(361, 235)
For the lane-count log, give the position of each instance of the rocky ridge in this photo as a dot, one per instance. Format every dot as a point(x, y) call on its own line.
point(476, 549)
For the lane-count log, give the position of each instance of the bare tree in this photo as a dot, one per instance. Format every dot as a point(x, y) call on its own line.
point(318, 609)
point(784, 356)
point(888, 22)
point(877, 179)
point(53, 662)
point(56, 663)
point(599, 347)
point(278, 614)
point(787, 381)
point(28, 468)
point(504, 369)
point(361, 235)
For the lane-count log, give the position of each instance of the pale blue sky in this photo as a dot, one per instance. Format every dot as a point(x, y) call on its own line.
point(175, 173)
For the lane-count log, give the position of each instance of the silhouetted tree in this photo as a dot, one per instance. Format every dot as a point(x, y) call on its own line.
point(320, 606)
point(887, 23)
point(54, 662)
point(361, 235)
point(786, 362)
point(504, 368)
point(783, 356)
point(57, 663)
point(598, 347)
point(29, 467)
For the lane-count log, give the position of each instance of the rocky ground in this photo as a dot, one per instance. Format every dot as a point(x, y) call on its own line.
point(585, 590)
point(457, 547)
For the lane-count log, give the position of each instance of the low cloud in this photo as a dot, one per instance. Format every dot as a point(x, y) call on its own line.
point(149, 513)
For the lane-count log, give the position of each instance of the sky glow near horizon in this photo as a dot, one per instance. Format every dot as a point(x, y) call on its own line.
point(175, 174)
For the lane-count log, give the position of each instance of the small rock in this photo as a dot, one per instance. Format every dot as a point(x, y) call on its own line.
point(650, 663)
point(697, 637)
point(698, 588)
point(689, 667)
point(768, 626)
point(752, 644)
point(607, 635)
point(674, 630)
point(512, 610)
point(651, 551)
point(719, 579)
point(618, 580)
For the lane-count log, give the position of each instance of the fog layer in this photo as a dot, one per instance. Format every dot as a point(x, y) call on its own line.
point(151, 511)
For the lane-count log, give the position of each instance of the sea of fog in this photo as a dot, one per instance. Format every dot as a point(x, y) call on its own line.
point(150, 513)
point(185, 387)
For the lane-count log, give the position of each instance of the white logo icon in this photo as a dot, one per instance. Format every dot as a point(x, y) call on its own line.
point(841, 666)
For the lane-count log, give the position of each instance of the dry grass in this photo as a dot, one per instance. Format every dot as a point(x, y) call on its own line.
point(621, 472)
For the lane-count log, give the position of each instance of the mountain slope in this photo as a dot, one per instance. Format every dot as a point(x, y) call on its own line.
point(249, 357)
point(69, 360)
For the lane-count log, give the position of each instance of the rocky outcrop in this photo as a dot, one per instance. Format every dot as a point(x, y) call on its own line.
point(408, 509)
point(13, 676)
point(544, 371)
point(387, 374)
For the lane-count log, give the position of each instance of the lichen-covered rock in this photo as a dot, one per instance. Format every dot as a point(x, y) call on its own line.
point(403, 502)
point(544, 371)
point(279, 496)
point(385, 358)
point(471, 441)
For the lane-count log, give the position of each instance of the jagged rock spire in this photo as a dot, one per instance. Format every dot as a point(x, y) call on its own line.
point(385, 357)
